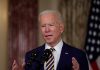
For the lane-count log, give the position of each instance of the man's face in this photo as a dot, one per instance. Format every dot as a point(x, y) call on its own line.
point(51, 28)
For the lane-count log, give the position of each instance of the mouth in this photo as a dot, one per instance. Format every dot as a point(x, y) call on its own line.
point(48, 35)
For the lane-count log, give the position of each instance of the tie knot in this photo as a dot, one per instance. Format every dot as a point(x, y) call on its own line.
point(52, 49)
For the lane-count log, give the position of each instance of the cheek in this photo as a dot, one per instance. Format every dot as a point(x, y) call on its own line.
point(57, 32)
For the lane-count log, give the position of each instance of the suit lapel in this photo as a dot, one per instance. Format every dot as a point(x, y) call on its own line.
point(64, 58)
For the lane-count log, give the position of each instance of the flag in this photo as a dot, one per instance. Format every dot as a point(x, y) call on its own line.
point(92, 43)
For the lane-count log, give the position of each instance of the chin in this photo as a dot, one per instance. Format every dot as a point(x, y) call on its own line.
point(49, 42)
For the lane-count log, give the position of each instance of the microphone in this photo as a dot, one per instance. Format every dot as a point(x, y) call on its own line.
point(35, 61)
point(47, 53)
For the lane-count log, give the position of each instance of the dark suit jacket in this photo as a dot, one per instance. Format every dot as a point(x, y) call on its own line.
point(65, 61)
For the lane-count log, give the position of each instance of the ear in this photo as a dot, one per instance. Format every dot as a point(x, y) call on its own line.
point(61, 27)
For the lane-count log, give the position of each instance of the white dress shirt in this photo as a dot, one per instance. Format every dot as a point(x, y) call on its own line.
point(56, 53)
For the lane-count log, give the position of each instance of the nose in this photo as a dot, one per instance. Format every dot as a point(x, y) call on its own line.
point(47, 29)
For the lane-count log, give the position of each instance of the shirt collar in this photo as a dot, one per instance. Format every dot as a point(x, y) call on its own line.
point(57, 47)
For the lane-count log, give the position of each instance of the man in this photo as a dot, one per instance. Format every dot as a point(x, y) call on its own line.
point(65, 56)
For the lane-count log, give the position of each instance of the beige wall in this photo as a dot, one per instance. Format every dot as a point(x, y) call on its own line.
point(3, 34)
point(47, 4)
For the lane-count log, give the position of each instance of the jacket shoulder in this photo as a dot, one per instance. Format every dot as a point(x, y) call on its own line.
point(35, 50)
point(73, 49)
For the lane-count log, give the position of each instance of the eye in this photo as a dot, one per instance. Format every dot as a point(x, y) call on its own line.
point(43, 26)
point(51, 25)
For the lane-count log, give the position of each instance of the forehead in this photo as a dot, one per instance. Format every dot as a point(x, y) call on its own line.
point(48, 16)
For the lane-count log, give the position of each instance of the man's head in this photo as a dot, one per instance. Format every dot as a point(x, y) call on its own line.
point(51, 25)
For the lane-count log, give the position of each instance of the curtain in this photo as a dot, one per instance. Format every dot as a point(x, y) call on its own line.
point(22, 32)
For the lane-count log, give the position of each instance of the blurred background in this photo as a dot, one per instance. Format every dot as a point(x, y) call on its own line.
point(19, 30)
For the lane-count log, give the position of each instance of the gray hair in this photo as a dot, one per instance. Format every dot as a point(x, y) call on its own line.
point(53, 12)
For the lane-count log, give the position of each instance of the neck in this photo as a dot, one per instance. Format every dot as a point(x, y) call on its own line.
point(54, 44)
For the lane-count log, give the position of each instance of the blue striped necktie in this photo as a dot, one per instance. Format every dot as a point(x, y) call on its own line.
point(50, 62)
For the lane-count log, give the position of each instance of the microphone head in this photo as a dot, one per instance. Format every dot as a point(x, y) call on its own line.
point(46, 55)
